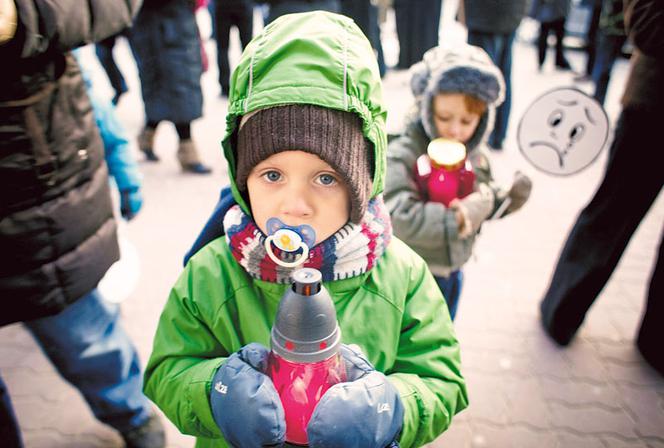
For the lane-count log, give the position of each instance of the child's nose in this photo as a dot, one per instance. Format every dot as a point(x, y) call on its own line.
point(455, 131)
point(297, 204)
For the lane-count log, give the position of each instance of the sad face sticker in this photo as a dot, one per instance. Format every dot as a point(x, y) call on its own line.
point(563, 131)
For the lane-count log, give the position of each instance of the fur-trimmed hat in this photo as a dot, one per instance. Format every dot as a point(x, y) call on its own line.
point(460, 69)
point(333, 135)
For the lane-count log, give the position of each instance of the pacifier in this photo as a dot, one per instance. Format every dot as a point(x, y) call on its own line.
point(289, 239)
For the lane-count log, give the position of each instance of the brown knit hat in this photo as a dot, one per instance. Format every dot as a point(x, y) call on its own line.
point(333, 135)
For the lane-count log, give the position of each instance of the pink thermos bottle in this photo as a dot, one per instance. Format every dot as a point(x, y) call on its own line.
point(444, 173)
point(305, 360)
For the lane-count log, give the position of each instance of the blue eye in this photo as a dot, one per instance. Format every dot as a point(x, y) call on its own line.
point(272, 176)
point(326, 179)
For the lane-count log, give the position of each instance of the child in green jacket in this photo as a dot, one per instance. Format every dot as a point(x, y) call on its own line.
point(305, 144)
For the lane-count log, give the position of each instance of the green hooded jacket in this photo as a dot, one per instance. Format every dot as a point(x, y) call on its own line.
point(394, 312)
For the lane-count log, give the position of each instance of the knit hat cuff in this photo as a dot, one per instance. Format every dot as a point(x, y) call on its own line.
point(334, 136)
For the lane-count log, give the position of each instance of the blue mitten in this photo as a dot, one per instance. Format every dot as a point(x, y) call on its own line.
point(130, 203)
point(244, 402)
point(365, 412)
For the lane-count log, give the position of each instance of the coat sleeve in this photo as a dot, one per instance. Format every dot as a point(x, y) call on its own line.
point(62, 25)
point(427, 369)
point(121, 164)
point(185, 356)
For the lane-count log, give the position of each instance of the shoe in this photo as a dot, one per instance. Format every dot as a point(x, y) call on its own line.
point(148, 435)
point(651, 351)
point(119, 93)
point(559, 336)
point(189, 159)
point(582, 78)
point(197, 168)
point(146, 142)
point(563, 65)
point(496, 147)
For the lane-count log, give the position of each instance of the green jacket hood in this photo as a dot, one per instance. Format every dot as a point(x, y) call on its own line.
point(317, 58)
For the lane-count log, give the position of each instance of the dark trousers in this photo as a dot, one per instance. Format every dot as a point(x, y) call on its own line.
point(225, 16)
point(451, 286)
point(591, 35)
point(10, 435)
point(558, 28)
point(279, 8)
point(609, 47)
point(418, 23)
point(499, 48)
point(104, 50)
point(365, 15)
point(602, 231)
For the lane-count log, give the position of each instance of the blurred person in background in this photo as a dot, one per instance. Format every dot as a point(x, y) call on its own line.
point(52, 164)
point(365, 15)
point(418, 23)
point(104, 50)
point(551, 16)
point(278, 8)
point(610, 40)
point(629, 187)
point(228, 14)
point(167, 48)
point(492, 27)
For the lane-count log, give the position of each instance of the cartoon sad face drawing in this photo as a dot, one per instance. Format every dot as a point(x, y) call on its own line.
point(563, 131)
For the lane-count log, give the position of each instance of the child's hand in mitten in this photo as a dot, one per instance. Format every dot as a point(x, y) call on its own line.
point(244, 402)
point(519, 191)
point(364, 412)
point(130, 203)
point(473, 210)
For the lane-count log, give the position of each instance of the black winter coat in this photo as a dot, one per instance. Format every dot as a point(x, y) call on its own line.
point(165, 43)
point(57, 231)
point(494, 16)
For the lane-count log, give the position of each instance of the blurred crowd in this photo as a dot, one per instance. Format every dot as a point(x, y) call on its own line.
point(63, 147)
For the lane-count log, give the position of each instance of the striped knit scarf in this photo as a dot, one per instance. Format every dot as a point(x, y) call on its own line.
point(351, 251)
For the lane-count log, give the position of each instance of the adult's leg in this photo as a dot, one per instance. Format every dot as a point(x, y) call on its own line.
point(403, 14)
point(222, 35)
point(559, 30)
point(591, 36)
point(499, 49)
point(10, 434)
point(542, 42)
point(296, 6)
point(211, 10)
point(608, 49)
point(245, 25)
point(427, 26)
point(104, 50)
point(605, 225)
point(91, 350)
point(651, 333)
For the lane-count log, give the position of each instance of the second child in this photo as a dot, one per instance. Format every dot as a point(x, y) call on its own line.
point(456, 91)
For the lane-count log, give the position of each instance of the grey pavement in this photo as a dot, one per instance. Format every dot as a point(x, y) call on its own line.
point(524, 391)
